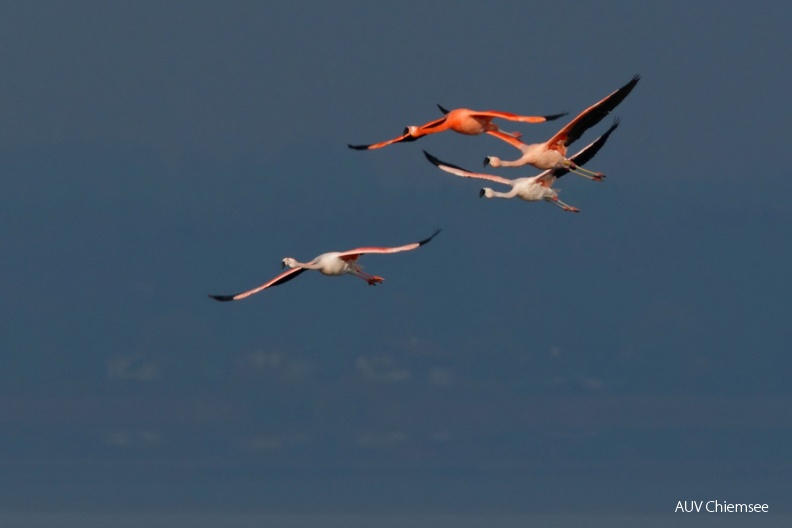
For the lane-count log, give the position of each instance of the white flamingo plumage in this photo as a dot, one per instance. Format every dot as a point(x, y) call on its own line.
point(552, 153)
point(532, 188)
point(463, 121)
point(333, 263)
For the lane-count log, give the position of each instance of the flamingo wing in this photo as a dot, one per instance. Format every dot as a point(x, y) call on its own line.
point(459, 171)
point(354, 253)
point(401, 139)
point(286, 276)
point(425, 129)
point(514, 117)
point(586, 153)
point(592, 115)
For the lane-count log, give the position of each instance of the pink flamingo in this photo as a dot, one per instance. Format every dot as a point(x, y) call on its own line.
point(463, 121)
point(552, 153)
point(333, 263)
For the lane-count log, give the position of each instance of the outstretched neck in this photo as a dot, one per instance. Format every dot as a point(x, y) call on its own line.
point(497, 162)
point(489, 193)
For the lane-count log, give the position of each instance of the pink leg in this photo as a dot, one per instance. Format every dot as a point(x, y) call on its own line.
point(580, 171)
point(373, 280)
point(505, 136)
point(566, 207)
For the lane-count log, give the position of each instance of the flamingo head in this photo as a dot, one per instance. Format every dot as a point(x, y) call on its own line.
point(492, 160)
point(485, 192)
point(289, 262)
point(412, 132)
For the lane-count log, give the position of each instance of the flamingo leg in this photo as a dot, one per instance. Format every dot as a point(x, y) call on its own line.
point(581, 171)
point(566, 207)
point(373, 280)
point(505, 136)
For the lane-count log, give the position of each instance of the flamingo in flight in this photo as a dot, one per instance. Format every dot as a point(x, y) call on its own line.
point(552, 153)
point(463, 121)
point(333, 263)
point(532, 188)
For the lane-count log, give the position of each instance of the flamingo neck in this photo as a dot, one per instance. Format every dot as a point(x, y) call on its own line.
point(497, 162)
point(511, 194)
point(490, 193)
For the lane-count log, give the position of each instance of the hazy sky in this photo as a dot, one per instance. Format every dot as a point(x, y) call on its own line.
point(527, 360)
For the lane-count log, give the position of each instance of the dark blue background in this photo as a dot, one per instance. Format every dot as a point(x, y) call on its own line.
point(527, 360)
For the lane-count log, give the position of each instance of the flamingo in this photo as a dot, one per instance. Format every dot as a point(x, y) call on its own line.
point(463, 121)
point(552, 153)
point(333, 263)
point(534, 188)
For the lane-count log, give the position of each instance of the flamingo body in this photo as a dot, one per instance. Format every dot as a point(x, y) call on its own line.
point(334, 263)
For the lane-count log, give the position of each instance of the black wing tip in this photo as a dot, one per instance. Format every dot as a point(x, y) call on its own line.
point(432, 159)
point(614, 126)
point(222, 298)
point(358, 147)
point(444, 110)
point(553, 117)
point(437, 163)
point(430, 237)
point(630, 85)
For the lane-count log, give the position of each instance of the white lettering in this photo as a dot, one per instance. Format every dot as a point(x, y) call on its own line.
point(715, 506)
point(693, 506)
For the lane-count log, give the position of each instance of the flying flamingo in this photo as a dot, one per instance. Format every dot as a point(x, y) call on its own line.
point(533, 188)
point(552, 153)
point(334, 263)
point(463, 121)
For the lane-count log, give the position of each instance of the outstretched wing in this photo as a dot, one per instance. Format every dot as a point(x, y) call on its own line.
point(459, 171)
point(514, 117)
point(586, 153)
point(592, 115)
point(286, 276)
point(363, 250)
point(401, 139)
point(423, 130)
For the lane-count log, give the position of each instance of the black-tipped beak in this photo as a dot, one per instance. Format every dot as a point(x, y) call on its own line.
point(486, 161)
point(481, 193)
point(222, 298)
point(555, 116)
point(283, 265)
